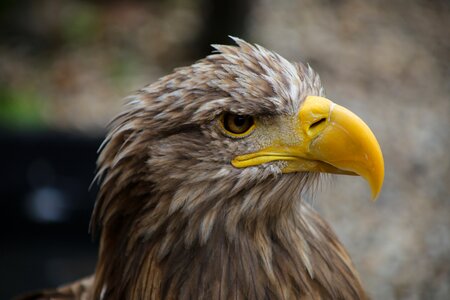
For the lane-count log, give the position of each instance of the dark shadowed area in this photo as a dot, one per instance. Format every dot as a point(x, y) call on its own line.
point(65, 67)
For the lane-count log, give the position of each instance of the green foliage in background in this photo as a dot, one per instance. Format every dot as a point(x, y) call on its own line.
point(81, 24)
point(20, 108)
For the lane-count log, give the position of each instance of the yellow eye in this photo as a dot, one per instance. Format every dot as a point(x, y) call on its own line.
point(237, 125)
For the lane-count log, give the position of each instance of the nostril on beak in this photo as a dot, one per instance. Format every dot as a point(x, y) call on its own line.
point(317, 126)
point(317, 123)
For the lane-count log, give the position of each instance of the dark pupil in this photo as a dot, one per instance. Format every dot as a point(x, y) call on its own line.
point(239, 121)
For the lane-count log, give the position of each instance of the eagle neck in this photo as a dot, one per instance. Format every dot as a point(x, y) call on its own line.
point(179, 256)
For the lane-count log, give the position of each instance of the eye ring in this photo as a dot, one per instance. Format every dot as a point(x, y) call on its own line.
point(236, 125)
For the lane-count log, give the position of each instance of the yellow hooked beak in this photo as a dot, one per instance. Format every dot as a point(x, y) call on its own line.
point(328, 138)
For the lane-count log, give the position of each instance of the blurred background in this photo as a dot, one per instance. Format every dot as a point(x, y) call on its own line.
point(66, 65)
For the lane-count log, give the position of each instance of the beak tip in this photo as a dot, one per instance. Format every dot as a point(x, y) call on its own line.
point(376, 187)
point(375, 196)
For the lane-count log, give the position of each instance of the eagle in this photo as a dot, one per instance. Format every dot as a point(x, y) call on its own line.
point(202, 181)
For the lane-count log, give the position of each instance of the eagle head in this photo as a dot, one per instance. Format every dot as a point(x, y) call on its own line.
point(202, 175)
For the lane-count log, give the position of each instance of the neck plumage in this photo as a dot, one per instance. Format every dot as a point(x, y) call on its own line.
point(151, 248)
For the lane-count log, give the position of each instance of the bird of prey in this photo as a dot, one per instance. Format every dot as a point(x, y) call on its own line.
point(201, 182)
